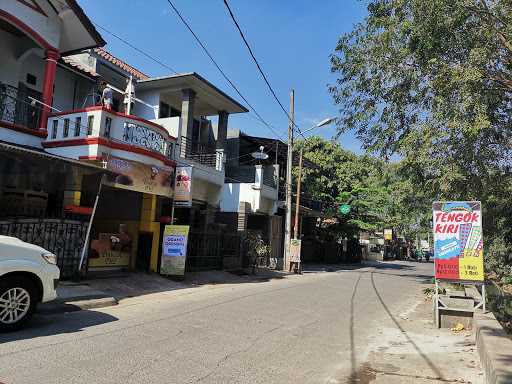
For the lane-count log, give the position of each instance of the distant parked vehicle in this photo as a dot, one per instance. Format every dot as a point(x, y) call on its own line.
point(28, 275)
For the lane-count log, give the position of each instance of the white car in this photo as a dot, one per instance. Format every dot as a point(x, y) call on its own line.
point(28, 275)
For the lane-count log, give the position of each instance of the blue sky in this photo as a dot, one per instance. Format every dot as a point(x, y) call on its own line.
point(292, 40)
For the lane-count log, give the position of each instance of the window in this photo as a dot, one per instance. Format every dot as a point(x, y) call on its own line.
point(54, 128)
point(90, 123)
point(78, 126)
point(164, 110)
point(31, 79)
point(108, 125)
point(65, 131)
point(175, 112)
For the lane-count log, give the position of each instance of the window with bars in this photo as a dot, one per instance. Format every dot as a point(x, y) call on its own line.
point(78, 125)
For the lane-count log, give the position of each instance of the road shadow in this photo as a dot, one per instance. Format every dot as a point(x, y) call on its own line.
point(422, 354)
point(41, 326)
point(354, 375)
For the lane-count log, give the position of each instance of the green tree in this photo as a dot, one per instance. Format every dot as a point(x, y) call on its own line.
point(431, 81)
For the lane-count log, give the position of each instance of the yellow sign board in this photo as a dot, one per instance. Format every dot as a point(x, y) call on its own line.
point(174, 250)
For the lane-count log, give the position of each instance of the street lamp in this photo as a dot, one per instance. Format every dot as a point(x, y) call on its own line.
point(288, 218)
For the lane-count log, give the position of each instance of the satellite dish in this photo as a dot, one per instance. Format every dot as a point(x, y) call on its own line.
point(259, 155)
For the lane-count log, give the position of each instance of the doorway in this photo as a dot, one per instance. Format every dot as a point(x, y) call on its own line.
point(142, 262)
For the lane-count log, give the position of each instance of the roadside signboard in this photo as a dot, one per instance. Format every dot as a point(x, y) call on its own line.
point(174, 250)
point(295, 246)
point(388, 234)
point(135, 176)
point(458, 240)
point(344, 209)
point(183, 187)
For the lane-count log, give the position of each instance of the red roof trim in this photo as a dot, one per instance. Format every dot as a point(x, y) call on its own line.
point(120, 63)
point(119, 114)
point(25, 28)
point(110, 144)
point(78, 210)
point(20, 128)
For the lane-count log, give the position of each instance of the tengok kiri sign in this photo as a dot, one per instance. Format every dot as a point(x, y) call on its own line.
point(458, 241)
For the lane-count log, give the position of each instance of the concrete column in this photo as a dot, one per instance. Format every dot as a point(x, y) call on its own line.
point(49, 79)
point(187, 116)
point(222, 129)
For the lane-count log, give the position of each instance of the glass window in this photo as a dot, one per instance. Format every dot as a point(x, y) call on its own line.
point(78, 126)
point(90, 123)
point(108, 124)
point(65, 131)
point(54, 128)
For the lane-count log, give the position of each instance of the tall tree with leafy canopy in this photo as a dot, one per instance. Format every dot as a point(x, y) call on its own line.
point(431, 81)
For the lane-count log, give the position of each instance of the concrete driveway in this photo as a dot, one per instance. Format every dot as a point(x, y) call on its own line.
point(352, 325)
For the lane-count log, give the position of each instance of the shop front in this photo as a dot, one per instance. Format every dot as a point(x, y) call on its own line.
point(126, 227)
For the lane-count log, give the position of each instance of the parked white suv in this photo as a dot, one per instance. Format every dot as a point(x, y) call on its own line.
point(28, 276)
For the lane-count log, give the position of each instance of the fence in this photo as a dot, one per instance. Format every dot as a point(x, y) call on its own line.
point(207, 250)
point(15, 107)
point(64, 238)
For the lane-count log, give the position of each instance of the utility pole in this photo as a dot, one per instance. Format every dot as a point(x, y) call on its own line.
point(297, 203)
point(289, 163)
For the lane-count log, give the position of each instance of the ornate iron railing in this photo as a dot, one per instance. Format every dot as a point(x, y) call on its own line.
point(65, 238)
point(15, 107)
point(145, 137)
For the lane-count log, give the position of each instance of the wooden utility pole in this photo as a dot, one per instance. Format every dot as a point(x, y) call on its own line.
point(289, 163)
point(297, 203)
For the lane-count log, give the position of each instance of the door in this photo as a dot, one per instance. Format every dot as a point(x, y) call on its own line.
point(142, 263)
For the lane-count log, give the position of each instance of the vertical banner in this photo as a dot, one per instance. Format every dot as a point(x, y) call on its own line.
point(388, 234)
point(458, 240)
point(174, 250)
point(295, 246)
point(183, 187)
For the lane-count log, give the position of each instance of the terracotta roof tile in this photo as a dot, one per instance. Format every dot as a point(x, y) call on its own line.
point(79, 66)
point(120, 63)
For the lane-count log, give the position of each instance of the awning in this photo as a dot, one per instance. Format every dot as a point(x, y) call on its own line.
point(7, 147)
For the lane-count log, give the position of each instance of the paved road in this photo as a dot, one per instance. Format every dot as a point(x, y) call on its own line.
point(316, 328)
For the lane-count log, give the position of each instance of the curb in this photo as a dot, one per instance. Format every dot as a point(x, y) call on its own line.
point(75, 304)
point(494, 347)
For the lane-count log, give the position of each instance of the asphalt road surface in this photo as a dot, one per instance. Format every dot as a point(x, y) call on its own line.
point(316, 328)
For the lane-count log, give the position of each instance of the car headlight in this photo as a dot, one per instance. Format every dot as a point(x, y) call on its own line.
point(50, 258)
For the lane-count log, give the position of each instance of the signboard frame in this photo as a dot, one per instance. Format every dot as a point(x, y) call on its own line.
point(458, 236)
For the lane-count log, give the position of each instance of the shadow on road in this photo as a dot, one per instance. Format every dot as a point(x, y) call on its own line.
point(353, 363)
point(429, 362)
point(41, 326)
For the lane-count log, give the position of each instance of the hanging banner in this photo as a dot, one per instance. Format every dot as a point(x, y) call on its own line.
point(174, 250)
point(135, 176)
point(295, 246)
point(388, 234)
point(458, 240)
point(183, 187)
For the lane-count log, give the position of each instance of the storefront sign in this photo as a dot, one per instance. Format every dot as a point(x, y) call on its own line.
point(183, 187)
point(111, 250)
point(295, 246)
point(174, 250)
point(140, 177)
point(388, 234)
point(458, 241)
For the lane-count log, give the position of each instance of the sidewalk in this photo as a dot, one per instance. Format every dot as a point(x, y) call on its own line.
point(108, 291)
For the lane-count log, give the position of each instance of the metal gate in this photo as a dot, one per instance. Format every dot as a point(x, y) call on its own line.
point(64, 238)
point(206, 250)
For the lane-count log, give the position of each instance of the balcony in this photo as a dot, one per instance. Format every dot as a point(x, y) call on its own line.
point(203, 154)
point(88, 133)
point(16, 110)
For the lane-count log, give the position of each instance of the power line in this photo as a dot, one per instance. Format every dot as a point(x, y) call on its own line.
point(201, 44)
point(258, 65)
point(136, 49)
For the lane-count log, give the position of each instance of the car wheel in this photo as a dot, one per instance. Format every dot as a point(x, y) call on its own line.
point(17, 302)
